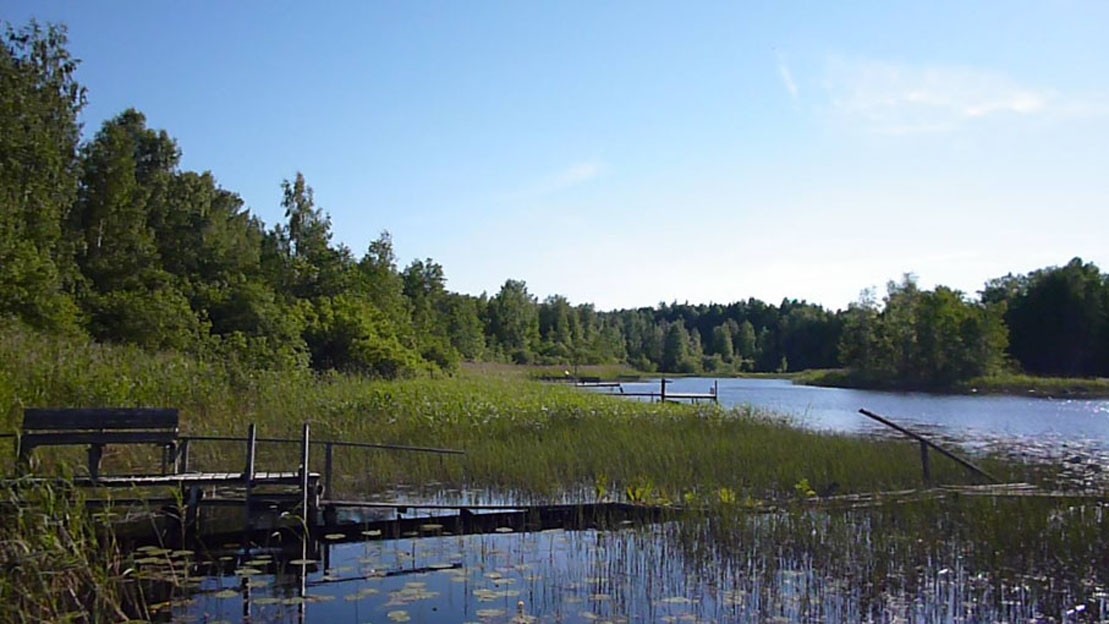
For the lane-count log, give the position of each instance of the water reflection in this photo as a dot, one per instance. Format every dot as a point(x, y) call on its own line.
point(966, 561)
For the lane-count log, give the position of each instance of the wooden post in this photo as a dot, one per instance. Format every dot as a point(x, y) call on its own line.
point(662, 394)
point(248, 474)
point(939, 449)
point(192, 510)
point(304, 477)
point(96, 453)
point(716, 391)
point(183, 456)
point(925, 463)
point(329, 455)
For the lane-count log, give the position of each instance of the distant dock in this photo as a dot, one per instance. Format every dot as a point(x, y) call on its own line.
point(662, 396)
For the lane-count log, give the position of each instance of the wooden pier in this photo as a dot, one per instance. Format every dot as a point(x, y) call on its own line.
point(181, 497)
point(662, 396)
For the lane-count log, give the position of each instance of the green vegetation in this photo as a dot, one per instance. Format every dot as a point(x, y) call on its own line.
point(538, 440)
point(59, 565)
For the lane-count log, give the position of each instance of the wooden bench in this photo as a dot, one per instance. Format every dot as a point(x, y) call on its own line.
point(98, 427)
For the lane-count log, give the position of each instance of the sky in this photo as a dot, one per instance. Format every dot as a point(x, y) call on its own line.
point(631, 153)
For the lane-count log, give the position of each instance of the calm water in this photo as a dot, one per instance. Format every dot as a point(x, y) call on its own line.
point(777, 568)
point(1058, 427)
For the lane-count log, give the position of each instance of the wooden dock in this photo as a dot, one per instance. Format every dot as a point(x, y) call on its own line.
point(662, 396)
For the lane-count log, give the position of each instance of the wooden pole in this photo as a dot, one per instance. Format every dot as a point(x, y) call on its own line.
point(662, 385)
point(304, 445)
point(248, 474)
point(925, 464)
point(925, 441)
point(183, 463)
point(329, 456)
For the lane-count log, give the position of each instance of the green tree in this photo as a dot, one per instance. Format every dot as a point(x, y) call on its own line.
point(514, 321)
point(1058, 319)
point(425, 287)
point(39, 104)
point(676, 352)
point(746, 343)
point(722, 343)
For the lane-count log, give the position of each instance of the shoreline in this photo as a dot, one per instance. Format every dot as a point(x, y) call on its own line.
point(1009, 385)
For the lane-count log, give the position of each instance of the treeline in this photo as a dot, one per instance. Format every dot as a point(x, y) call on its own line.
point(112, 239)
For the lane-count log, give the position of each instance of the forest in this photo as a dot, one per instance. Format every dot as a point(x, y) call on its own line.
point(107, 238)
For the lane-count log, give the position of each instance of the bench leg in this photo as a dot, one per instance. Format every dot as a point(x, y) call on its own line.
point(96, 453)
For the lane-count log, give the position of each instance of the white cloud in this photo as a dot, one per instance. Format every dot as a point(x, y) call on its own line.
point(895, 98)
point(787, 77)
point(573, 175)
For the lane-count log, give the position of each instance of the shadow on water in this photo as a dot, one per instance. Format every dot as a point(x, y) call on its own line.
point(965, 560)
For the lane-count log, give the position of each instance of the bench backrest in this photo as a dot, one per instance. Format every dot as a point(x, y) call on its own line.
point(97, 427)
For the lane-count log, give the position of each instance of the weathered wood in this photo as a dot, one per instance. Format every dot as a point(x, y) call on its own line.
point(304, 446)
point(30, 440)
point(102, 419)
point(925, 464)
point(248, 474)
point(923, 440)
point(329, 462)
point(336, 443)
point(98, 427)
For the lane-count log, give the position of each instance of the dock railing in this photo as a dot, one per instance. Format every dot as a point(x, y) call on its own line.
point(925, 445)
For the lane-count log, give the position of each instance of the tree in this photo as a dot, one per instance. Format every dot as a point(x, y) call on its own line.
point(722, 343)
point(122, 167)
point(676, 351)
point(514, 321)
point(1059, 320)
point(312, 267)
point(39, 103)
point(425, 287)
point(746, 343)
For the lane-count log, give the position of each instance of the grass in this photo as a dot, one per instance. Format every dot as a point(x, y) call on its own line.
point(1030, 385)
point(58, 564)
point(530, 439)
point(1002, 383)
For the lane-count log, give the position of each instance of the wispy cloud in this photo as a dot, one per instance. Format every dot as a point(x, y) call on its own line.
point(897, 98)
point(787, 77)
point(573, 175)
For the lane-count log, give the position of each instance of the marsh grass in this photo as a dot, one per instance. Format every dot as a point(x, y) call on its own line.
point(58, 564)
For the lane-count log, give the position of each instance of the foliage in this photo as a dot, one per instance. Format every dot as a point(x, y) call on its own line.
point(59, 565)
point(112, 239)
point(923, 339)
point(39, 103)
point(1058, 319)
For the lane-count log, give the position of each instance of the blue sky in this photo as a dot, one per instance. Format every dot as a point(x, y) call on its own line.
point(627, 153)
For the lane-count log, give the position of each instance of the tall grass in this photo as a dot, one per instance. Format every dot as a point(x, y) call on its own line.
point(520, 436)
point(58, 565)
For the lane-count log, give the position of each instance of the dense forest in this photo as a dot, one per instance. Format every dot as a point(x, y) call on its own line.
point(109, 238)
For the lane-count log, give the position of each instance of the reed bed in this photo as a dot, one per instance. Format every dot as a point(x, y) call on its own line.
point(521, 437)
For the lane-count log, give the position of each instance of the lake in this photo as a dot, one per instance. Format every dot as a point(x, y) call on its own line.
point(1033, 426)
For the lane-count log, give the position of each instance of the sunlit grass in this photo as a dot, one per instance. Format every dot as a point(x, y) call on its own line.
point(520, 436)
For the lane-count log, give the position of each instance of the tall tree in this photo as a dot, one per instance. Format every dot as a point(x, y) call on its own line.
point(39, 103)
point(1058, 318)
point(514, 321)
